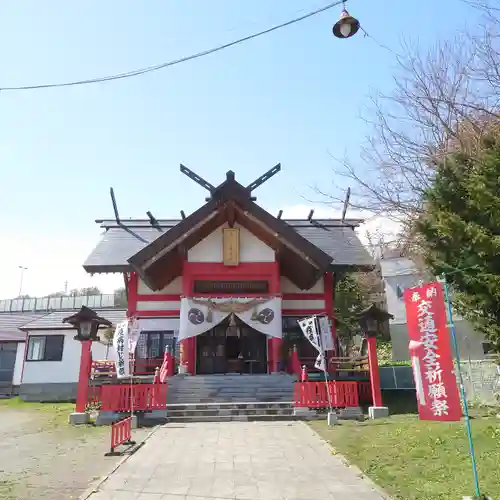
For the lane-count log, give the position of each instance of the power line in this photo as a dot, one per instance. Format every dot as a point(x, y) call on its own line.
point(157, 67)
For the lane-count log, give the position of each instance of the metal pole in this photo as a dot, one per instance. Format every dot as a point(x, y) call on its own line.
point(131, 364)
point(462, 388)
point(316, 322)
point(21, 280)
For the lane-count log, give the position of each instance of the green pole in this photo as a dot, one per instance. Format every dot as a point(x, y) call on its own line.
point(462, 388)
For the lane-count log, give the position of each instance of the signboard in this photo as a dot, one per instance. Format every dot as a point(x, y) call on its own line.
point(430, 349)
point(231, 246)
point(326, 333)
point(121, 346)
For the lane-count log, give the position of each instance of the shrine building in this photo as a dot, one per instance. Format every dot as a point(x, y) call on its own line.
point(224, 286)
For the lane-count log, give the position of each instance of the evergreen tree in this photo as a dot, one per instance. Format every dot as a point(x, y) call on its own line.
point(460, 232)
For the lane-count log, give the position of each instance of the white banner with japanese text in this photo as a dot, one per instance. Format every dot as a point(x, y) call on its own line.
point(310, 330)
point(121, 348)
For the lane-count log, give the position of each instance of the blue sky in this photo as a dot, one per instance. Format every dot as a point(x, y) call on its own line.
point(287, 97)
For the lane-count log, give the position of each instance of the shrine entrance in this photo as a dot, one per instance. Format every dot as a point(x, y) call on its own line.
point(231, 349)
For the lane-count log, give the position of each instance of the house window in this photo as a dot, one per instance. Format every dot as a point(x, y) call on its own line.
point(45, 348)
point(152, 344)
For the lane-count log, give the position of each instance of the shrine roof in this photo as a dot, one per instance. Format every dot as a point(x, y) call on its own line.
point(120, 242)
point(10, 323)
point(53, 320)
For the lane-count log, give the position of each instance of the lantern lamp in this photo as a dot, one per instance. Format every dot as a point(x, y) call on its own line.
point(87, 323)
point(372, 319)
point(346, 26)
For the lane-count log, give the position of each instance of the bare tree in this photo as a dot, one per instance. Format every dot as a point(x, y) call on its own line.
point(443, 100)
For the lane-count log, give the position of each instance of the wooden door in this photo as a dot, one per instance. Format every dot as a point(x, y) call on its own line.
point(254, 350)
point(211, 351)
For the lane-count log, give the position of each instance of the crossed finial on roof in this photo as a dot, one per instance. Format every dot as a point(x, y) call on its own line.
point(230, 177)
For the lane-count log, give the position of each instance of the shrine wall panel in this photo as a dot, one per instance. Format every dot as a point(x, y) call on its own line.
point(210, 249)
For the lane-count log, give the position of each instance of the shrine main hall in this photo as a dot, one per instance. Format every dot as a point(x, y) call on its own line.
point(224, 286)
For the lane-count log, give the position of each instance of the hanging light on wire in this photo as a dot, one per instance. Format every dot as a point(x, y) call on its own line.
point(346, 26)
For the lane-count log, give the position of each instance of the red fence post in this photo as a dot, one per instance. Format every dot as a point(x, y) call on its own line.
point(121, 433)
point(83, 378)
point(374, 371)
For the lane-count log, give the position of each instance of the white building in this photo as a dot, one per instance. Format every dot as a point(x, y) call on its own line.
point(39, 358)
point(399, 273)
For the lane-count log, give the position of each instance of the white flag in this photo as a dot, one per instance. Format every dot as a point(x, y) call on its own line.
point(133, 337)
point(121, 346)
point(308, 327)
point(320, 363)
point(326, 333)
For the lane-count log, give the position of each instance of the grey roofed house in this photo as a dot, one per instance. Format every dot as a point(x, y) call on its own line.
point(121, 241)
point(53, 320)
point(10, 322)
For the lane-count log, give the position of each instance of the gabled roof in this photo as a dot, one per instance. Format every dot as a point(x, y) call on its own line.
point(159, 262)
point(305, 249)
point(120, 241)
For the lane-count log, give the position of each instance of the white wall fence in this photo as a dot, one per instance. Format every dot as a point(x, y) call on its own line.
point(57, 303)
point(481, 380)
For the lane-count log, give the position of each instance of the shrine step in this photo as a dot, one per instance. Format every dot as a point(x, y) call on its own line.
point(229, 388)
point(220, 412)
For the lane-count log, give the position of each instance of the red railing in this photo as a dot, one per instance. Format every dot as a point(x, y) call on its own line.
point(144, 397)
point(146, 366)
point(121, 433)
point(142, 366)
point(365, 393)
point(94, 395)
point(314, 394)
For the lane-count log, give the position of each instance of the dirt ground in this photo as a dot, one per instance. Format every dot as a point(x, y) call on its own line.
point(42, 457)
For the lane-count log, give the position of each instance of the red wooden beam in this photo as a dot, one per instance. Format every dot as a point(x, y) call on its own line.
point(304, 296)
point(162, 297)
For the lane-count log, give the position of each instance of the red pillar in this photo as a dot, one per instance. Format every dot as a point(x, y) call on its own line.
point(374, 371)
point(187, 354)
point(170, 365)
point(275, 353)
point(295, 362)
point(83, 378)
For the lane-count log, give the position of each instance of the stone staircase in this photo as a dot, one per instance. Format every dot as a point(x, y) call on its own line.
point(202, 389)
point(226, 412)
point(216, 398)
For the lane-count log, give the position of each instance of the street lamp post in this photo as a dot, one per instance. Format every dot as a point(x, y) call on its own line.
point(87, 323)
point(22, 268)
point(371, 321)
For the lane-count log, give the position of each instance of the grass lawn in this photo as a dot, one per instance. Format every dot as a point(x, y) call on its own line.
point(413, 459)
point(55, 413)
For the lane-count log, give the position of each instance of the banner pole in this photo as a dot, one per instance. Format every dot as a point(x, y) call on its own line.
point(462, 388)
point(323, 360)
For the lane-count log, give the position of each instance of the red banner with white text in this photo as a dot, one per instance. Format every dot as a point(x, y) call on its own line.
point(430, 352)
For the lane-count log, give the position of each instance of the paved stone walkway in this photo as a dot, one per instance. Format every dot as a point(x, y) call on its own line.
point(235, 460)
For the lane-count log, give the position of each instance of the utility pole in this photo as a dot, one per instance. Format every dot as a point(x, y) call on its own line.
point(21, 279)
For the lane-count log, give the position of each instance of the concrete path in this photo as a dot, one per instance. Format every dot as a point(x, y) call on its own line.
point(235, 460)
